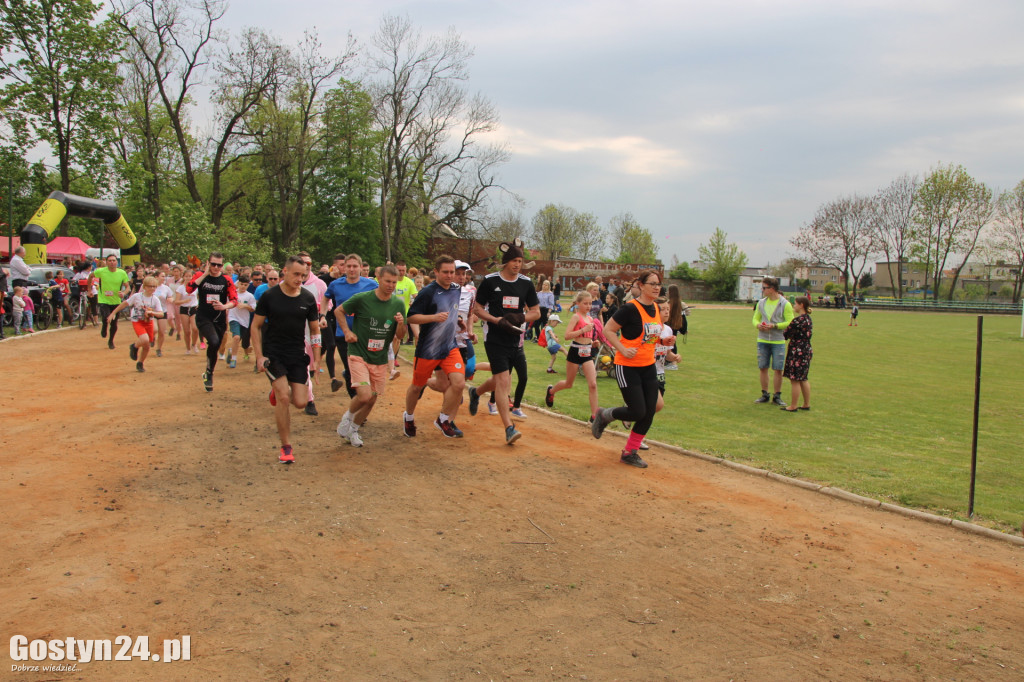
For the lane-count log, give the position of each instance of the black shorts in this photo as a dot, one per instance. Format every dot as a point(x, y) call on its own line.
point(574, 356)
point(187, 311)
point(297, 370)
point(501, 357)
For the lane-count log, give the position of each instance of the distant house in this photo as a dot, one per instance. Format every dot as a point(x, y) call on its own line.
point(911, 275)
point(819, 275)
point(749, 286)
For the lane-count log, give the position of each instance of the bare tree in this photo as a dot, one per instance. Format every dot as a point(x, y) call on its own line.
point(894, 222)
point(630, 242)
point(1008, 235)
point(953, 209)
point(590, 237)
point(505, 226)
point(245, 76)
point(840, 236)
point(173, 38)
point(433, 168)
point(552, 231)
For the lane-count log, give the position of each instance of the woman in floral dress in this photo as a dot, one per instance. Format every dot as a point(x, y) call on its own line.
point(798, 355)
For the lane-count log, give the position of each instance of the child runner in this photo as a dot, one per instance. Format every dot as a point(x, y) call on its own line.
point(551, 341)
point(163, 324)
point(853, 315)
point(378, 318)
point(664, 355)
point(581, 355)
point(145, 307)
point(187, 304)
point(238, 318)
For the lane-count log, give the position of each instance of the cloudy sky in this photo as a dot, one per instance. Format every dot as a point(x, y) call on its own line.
point(741, 114)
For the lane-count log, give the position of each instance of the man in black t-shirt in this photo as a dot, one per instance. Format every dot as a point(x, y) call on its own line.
point(281, 347)
point(507, 301)
point(216, 296)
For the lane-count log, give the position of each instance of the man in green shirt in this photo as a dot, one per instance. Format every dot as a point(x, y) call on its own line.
point(378, 318)
point(772, 315)
point(113, 283)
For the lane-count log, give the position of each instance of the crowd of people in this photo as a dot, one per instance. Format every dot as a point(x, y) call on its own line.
point(293, 320)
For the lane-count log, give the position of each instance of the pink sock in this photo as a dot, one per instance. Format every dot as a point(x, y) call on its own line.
point(634, 440)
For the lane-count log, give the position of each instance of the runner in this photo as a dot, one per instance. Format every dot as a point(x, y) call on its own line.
point(377, 318)
point(216, 294)
point(280, 348)
point(238, 319)
point(315, 286)
point(581, 353)
point(406, 291)
point(339, 291)
point(145, 307)
point(113, 283)
point(187, 304)
point(163, 324)
point(507, 302)
point(640, 322)
point(436, 310)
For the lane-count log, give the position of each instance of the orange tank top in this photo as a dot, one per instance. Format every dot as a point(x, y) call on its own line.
point(645, 343)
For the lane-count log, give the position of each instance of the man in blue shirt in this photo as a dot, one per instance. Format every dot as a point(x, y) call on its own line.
point(339, 291)
point(436, 310)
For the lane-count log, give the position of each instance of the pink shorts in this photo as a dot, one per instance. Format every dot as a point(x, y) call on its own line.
point(361, 373)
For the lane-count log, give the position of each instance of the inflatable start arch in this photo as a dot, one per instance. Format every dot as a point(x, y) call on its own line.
point(40, 228)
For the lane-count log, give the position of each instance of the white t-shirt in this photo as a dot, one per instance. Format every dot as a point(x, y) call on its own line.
point(139, 302)
point(665, 343)
point(192, 300)
point(241, 315)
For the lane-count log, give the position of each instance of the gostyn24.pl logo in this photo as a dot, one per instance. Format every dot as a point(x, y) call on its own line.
point(121, 648)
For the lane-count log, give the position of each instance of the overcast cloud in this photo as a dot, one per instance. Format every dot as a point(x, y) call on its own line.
point(741, 114)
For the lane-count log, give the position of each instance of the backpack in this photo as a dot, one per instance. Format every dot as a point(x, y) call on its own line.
point(542, 340)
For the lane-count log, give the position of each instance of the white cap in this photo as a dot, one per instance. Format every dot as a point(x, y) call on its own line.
point(554, 318)
point(459, 264)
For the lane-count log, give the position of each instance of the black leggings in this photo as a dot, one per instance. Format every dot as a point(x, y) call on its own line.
point(639, 387)
point(105, 310)
point(213, 330)
point(328, 348)
point(519, 365)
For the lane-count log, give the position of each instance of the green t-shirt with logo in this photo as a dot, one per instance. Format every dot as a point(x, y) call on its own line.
point(374, 325)
point(110, 285)
point(405, 290)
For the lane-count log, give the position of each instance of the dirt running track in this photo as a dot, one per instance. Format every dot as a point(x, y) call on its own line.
point(139, 505)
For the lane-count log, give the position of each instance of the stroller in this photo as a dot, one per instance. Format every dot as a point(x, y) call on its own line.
point(604, 361)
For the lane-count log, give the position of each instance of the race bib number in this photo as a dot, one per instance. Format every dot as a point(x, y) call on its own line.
point(510, 302)
point(108, 293)
point(583, 351)
point(652, 332)
point(375, 344)
point(212, 298)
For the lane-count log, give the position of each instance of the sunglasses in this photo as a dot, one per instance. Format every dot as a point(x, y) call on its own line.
point(216, 265)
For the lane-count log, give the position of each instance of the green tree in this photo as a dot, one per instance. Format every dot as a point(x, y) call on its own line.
point(685, 272)
point(630, 242)
point(60, 69)
point(553, 231)
point(725, 262)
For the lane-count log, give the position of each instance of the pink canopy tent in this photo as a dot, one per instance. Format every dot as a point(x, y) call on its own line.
point(66, 247)
point(16, 242)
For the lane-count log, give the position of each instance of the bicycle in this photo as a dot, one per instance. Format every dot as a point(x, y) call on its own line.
point(80, 309)
point(44, 313)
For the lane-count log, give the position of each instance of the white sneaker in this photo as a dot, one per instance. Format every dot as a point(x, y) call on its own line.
point(517, 412)
point(345, 426)
point(220, 357)
point(492, 408)
point(644, 445)
point(672, 367)
point(353, 436)
point(395, 374)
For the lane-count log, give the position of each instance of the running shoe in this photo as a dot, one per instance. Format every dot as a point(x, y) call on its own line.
point(311, 409)
point(336, 384)
point(208, 382)
point(644, 445)
point(455, 429)
point(133, 352)
point(492, 408)
point(159, 353)
point(598, 425)
point(110, 343)
point(552, 371)
point(273, 397)
point(286, 455)
point(511, 435)
point(777, 400)
point(518, 412)
point(345, 426)
point(410, 428)
point(549, 397)
point(232, 363)
point(139, 367)
point(474, 401)
point(631, 458)
point(445, 427)
point(395, 373)
point(353, 436)
point(103, 329)
point(202, 345)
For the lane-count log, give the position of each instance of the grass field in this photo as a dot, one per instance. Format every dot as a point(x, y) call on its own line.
point(892, 407)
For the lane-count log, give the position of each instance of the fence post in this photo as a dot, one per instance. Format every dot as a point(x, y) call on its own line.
point(974, 435)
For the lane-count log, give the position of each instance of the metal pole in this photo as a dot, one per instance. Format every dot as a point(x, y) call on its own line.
point(974, 436)
point(10, 217)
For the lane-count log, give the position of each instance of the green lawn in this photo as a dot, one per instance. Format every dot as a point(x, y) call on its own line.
point(892, 407)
